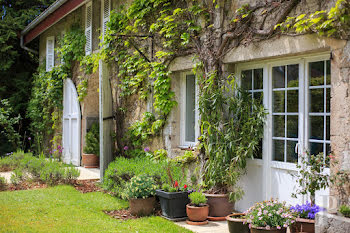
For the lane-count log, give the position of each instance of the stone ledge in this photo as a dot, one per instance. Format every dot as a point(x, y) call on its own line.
point(331, 223)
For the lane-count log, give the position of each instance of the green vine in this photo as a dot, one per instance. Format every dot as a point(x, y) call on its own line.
point(45, 107)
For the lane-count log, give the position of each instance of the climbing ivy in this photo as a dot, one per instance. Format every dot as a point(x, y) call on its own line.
point(45, 106)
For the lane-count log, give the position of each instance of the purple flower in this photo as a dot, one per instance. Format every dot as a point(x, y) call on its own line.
point(146, 149)
point(126, 148)
point(29, 138)
point(306, 210)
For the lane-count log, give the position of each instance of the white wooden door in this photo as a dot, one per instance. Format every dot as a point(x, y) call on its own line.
point(71, 124)
point(296, 93)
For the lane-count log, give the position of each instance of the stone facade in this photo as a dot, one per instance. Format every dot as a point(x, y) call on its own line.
point(331, 223)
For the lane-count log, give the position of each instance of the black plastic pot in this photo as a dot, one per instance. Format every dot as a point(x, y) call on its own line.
point(173, 204)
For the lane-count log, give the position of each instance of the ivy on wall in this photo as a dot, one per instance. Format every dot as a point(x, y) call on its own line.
point(45, 106)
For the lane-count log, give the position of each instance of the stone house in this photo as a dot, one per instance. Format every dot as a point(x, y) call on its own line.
point(304, 81)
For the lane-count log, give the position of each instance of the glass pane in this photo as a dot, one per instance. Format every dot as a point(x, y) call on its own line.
point(315, 148)
point(258, 152)
point(328, 72)
point(316, 100)
point(292, 101)
point(328, 152)
point(278, 150)
point(328, 129)
point(293, 75)
point(247, 79)
point(328, 100)
point(258, 96)
point(190, 109)
point(316, 127)
point(278, 101)
point(278, 126)
point(292, 126)
point(258, 79)
point(278, 77)
point(292, 157)
point(316, 72)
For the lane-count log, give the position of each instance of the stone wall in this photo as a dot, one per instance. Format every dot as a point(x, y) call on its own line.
point(331, 223)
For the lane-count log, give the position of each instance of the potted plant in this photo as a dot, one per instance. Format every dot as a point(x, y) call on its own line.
point(229, 136)
point(270, 217)
point(140, 191)
point(311, 178)
point(305, 221)
point(197, 211)
point(91, 153)
point(237, 223)
point(173, 201)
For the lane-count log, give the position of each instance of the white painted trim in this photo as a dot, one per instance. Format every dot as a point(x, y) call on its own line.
point(104, 18)
point(183, 142)
point(50, 53)
point(88, 28)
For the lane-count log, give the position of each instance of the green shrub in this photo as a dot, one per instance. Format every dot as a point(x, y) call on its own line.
point(345, 210)
point(52, 173)
point(197, 198)
point(2, 183)
point(17, 176)
point(141, 186)
point(92, 140)
point(120, 171)
point(71, 174)
point(6, 164)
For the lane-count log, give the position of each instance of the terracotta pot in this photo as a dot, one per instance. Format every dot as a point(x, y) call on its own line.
point(91, 160)
point(235, 223)
point(142, 207)
point(303, 225)
point(197, 214)
point(263, 230)
point(219, 205)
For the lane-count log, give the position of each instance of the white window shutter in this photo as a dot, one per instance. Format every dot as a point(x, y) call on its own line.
point(106, 9)
point(50, 53)
point(88, 28)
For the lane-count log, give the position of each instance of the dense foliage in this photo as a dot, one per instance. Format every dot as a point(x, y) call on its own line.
point(141, 186)
point(197, 198)
point(121, 170)
point(30, 168)
point(92, 140)
point(8, 123)
point(345, 210)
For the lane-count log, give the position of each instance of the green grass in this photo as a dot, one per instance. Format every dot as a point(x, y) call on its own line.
point(63, 209)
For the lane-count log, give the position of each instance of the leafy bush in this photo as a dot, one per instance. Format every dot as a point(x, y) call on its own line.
point(17, 177)
point(197, 198)
point(52, 173)
point(123, 169)
point(345, 210)
point(141, 186)
point(6, 164)
point(71, 174)
point(2, 183)
point(92, 139)
point(269, 214)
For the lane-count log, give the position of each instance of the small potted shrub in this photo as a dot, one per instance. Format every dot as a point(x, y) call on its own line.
point(270, 217)
point(345, 211)
point(92, 147)
point(173, 200)
point(305, 214)
point(140, 191)
point(236, 223)
point(197, 211)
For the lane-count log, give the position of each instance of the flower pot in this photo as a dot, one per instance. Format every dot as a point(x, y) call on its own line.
point(264, 230)
point(197, 214)
point(303, 225)
point(91, 160)
point(142, 207)
point(235, 224)
point(173, 204)
point(219, 205)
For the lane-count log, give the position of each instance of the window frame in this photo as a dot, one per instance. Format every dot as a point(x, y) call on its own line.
point(88, 28)
point(48, 65)
point(183, 142)
point(105, 18)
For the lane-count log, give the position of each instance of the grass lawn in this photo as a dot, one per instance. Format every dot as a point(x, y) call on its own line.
point(63, 209)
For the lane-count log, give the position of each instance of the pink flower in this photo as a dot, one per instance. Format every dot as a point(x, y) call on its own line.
point(278, 227)
point(268, 227)
point(126, 147)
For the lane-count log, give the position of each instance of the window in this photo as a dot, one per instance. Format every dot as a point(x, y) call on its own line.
point(50, 53)
point(189, 119)
point(319, 85)
point(296, 93)
point(106, 8)
point(88, 28)
point(252, 81)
